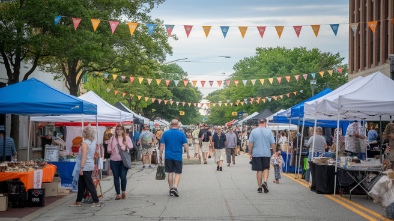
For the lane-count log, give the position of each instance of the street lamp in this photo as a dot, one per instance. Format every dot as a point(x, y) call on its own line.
point(313, 85)
point(180, 59)
point(391, 56)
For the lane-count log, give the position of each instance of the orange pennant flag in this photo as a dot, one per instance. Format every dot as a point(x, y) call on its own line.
point(262, 81)
point(202, 83)
point(261, 30)
point(258, 101)
point(149, 80)
point(219, 83)
point(139, 97)
point(194, 82)
point(321, 73)
point(185, 82)
point(146, 98)
point(330, 72)
point(242, 103)
point(140, 80)
point(95, 23)
point(123, 94)
point(132, 27)
point(372, 25)
point(297, 30)
point(153, 100)
point(263, 100)
point(243, 30)
point(168, 82)
point(275, 97)
point(114, 76)
point(116, 92)
point(288, 78)
point(131, 79)
point(208, 104)
point(113, 25)
point(281, 96)
point(253, 81)
point(316, 29)
point(207, 29)
point(279, 79)
point(165, 101)
point(279, 30)
point(297, 77)
point(295, 92)
point(188, 29)
point(236, 82)
point(195, 104)
point(270, 80)
point(158, 81)
point(76, 22)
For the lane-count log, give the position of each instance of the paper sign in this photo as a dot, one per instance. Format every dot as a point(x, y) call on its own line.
point(37, 179)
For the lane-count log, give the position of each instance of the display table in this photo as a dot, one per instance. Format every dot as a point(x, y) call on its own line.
point(286, 163)
point(65, 171)
point(27, 178)
point(323, 177)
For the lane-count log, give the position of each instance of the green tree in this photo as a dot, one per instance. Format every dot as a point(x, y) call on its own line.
point(273, 63)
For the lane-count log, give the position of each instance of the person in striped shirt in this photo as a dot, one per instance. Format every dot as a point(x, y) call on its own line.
point(10, 150)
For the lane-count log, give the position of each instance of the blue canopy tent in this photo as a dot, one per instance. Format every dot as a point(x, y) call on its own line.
point(33, 97)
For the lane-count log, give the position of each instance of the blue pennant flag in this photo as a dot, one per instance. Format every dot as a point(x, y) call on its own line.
point(151, 27)
point(334, 28)
point(57, 19)
point(105, 76)
point(313, 75)
point(224, 30)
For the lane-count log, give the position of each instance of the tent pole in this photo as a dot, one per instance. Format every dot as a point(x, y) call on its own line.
point(29, 138)
point(314, 137)
point(300, 144)
point(381, 141)
point(287, 155)
point(336, 155)
point(5, 127)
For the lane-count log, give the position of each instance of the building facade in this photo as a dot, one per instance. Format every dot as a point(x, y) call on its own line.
point(370, 51)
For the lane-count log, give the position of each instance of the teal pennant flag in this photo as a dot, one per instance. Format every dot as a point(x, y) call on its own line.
point(224, 30)
point(313, 75)
point(151, 27)
point(334, 28)
point(57, 19)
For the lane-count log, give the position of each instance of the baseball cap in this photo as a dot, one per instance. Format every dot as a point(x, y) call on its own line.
point(262, 121)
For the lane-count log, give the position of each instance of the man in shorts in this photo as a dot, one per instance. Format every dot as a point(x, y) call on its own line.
point(260, 141)
point(147, 141)
point(206, 137)
point(173, 140)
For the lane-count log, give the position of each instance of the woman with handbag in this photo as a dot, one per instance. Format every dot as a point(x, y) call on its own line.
point(86, 163)
point(118, 144)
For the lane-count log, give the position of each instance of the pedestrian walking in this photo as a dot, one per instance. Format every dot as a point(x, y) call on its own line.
point(173, 140)
point(206, 137)
point(277, 162)
point(231, 146)
point(119, 140)
point(86, 161)
point(147, 141)
point(196, 143)
point(219, 144)
point(10, 150)
point(260, 141)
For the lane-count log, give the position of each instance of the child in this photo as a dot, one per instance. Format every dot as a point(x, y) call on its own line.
point(276, 162)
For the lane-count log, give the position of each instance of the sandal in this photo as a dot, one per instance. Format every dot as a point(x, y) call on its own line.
point(95, 205)
point(76, 204)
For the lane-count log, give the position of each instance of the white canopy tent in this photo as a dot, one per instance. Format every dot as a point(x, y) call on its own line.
point(144, 119)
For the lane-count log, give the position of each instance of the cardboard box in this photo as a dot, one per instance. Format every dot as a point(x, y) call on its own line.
point(61, 191)
point(50, 188)
point(3, 203)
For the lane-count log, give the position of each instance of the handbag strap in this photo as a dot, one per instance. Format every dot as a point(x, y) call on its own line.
point(120, 149)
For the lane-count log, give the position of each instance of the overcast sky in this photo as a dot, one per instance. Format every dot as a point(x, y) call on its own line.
point(204, 61)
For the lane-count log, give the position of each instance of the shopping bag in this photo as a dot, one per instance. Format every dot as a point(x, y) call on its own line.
point(160, 173)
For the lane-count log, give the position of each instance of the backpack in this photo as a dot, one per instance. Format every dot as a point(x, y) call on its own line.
point(205, 137)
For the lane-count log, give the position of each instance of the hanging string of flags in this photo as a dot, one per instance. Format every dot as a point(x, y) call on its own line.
point(242, 29)
point(243, 102)
point(229, 82)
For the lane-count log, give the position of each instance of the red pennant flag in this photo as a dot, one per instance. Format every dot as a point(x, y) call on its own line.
point(211, 83)
point(261, 30)
point(288, 94)
point(288, 78)
point(185, 82)
point(297, 30)
point(236, 82)
point(279, 79)
point(76, 22)
point(113, 25)
point(228, 82)
point(219, 83)
point(183, 103)
point(202, 83)
point(340, 70)
point(159, 100)
point(188, 29)
point(131, 79)
point(305, 76)
point(297, 77)
point(168, 82)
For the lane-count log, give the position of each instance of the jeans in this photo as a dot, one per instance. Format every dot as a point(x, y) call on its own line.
point(119, 171)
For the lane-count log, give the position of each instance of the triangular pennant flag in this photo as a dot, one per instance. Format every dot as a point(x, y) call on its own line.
point(114, 76)
point(228, 101)
point(165, 101)
point(123, 94)
point(183, 103)
point(295, 92)
point(340, 70)
point(279, 79)
point(146, 98)
point(195, 104)
point(202, 83)
point(214, 104)
point(262, 81)
point(171, 102)
point(279, 30)
point(131, 79)
point(151, 28)
point(159, 100)
point(158, 81)
point(271, 80)
point(258, 101)
point(131, 95)
point(167, 82)
point(253, 81)
point(140, 79)
point(105, 76)
point(281, 96)
point(177, 103)
point(207, 29)
point(301, 91)
point(108, 90)
point(269, 99)
point(330, 72)
point(176, 83)
point(224, 30)
point(261, 30)
point(194, 82)
point(236, 82)
point(225, 104)
point(132, 27)
point(251, 99)
point(208, 104)
point(297, 77)
point(139, 97)
point(275, 97)
point(188, 29)
point(116, 91)
point(95, 23)
point(57, 19)
point(149, 80)
point(231, 104)
point(220, 104)
point(243, 30)
point(169, 29)
point(335, 28)
point(219, 83)
point(287, 78)
point(242, 103)
point(185, 82)
point(189, 104)
point(263, 100)
point(288, 94)
point(321, 73)
point(113, 25)
point(123, 78)
point(313, 75)
point(297, 30)
point(372, 25)
point(354, 26)
point(315, 29)
point(228, 82)
point(211, 83)
point(305, 76)
point(153, 99)
point(244, 82)
point(76, 22)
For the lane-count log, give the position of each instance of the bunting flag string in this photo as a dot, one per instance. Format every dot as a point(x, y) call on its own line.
point(224, 29)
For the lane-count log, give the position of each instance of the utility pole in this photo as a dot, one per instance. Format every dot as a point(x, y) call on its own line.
point(313, 85)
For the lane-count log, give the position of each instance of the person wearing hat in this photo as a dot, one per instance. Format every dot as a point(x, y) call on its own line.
point(59, 141)
point(10, 150)
point(147, 141)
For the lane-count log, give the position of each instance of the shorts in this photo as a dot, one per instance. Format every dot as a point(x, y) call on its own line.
point(146, 151)
point(173, 166)
point(261, 163)
point(205, 147)
point(220, 154)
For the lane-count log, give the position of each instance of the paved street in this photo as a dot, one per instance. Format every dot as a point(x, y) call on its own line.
point(207, 194)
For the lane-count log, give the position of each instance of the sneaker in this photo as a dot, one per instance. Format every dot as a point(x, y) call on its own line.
point(143, 167)
point(220, 168)
point(217, 168)
point(265, 187)
point(150, 167)
point(76, 204)
point(171, 192)
point(259, 190)
point(209, 156)
point(95, 205)
point(228, 164)
point(205, 162)
point(175, 192)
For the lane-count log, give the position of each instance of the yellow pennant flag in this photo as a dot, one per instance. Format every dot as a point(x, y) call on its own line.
point(262, 81)
point(231, 104)
point(158, 81)
point(225, 104)
point(146, 98)
point(243, 30)
point(140, 80)
point(95, 23)
point(189, 104)
point(214, 104)
point(316, 29)
point(116, 92)
point(149, 80)
point(330, 72)
point(114, 76)
point(220, 104)
point(372, 25)
point(242, 103)
point(207, 29)
point(270, 80)
point(279, 30)
point(139, 97)
point(321, 73)
point(131, 95)
point(132, 27)
point(194, 82)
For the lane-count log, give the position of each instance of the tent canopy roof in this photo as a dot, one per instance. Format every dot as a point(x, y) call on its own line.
point(122, 107)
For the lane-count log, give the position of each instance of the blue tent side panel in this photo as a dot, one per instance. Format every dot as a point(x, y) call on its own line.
point(298, 109)
point(33, 97)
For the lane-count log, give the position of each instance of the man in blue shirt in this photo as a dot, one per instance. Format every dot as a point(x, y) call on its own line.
point(173, 140)
point(261, 140)
point(10, 150)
